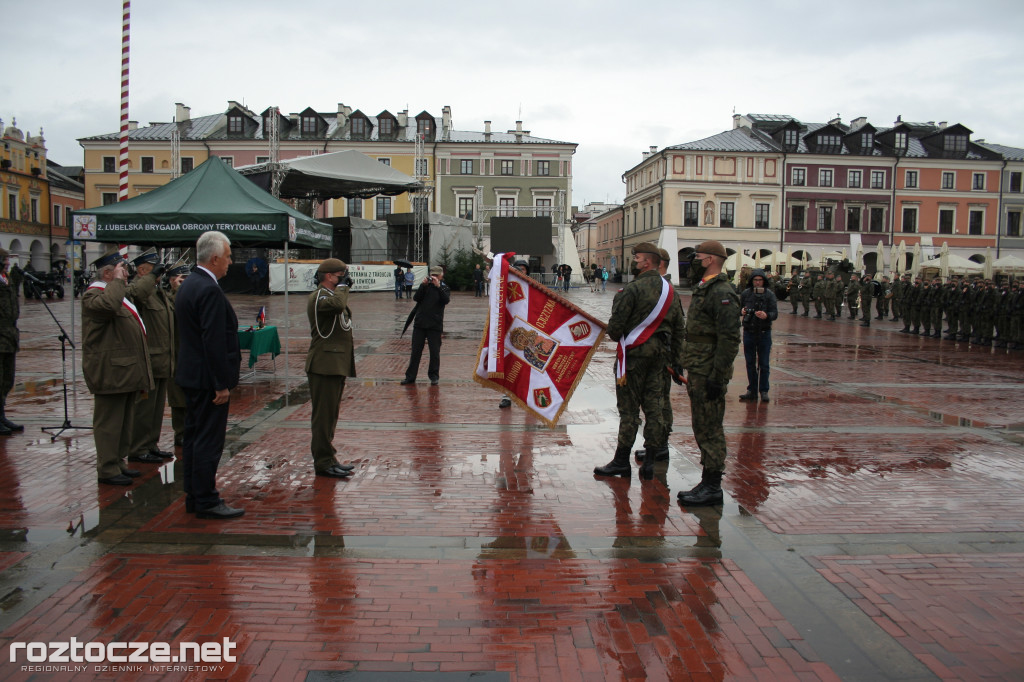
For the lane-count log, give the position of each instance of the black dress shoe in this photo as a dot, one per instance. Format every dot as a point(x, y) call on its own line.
point(162, 454)
point(146, 458)
point(221, 511)
point(4, 431)
point(334, 471)
point(406, 382)
point(4, 421)
point(345, 467)
point(131, 473)
point(120, 479)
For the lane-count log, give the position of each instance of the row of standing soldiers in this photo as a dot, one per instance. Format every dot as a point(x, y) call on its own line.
point(977, 310)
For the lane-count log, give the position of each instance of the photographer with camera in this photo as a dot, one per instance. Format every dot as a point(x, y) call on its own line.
point(431, 298)
point(758, 307)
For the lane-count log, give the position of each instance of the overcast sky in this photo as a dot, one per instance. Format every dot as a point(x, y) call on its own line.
point(614, 77)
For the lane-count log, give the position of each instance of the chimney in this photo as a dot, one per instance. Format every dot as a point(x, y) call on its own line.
point(133, 125)
point(232, 104)
point(446, 122)
point(519, 131)
point(836, 121)
point(858, 123)
point(343, 113)
point(899, 120)
point(654, 150)
point(487, 131)
point(646, 155)
point(943, 124)
point(736, 121)
point(181, 112)
point(403, 118)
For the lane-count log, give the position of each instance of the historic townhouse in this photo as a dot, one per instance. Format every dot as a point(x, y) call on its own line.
point(838, 187)
point(25, 227)
point(471, 174)
point(610, 251)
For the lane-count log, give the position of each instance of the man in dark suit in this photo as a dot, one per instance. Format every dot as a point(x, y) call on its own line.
point(208, 367)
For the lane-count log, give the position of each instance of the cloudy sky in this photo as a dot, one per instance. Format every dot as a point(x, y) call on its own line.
point(614, 77)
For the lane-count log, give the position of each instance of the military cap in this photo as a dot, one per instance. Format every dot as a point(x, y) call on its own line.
point(331, 265)
point(110, 257)
point(148, 256)
point(179, 267)
point(712, 248)
point(437, 270)
point(647, 247)
point(665, 258)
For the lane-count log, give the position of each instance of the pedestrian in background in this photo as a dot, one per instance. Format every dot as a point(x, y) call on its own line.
point(758, 308)
point(431, 298)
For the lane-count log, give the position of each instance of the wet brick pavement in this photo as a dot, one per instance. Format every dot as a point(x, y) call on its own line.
point(872, 528)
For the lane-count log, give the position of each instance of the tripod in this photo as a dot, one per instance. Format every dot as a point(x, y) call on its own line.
point(64, 341)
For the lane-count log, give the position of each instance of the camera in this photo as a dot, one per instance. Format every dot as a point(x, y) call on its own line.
point(756, 303)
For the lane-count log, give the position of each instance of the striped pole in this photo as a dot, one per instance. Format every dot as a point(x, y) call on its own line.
point(122, 192)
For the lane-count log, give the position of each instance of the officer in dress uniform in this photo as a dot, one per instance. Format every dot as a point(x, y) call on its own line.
point(712, 342)
point(155, 308)
point(174, 276)
point(115, 362)
point(331, 358)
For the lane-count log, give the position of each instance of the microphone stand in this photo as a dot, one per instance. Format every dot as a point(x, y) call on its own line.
point(64, 341)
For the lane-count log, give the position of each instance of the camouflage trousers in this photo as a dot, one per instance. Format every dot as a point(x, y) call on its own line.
point(706, 418)
point(6, 375)
point(644, 390)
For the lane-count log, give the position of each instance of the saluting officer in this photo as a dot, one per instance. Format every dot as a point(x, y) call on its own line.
point(155, 309)
point(331, 358)
point(175, 275)
point(115, 362)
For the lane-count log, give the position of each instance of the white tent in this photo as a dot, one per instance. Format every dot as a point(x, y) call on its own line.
point(1009, 265)
point(737, 261)
point(958, 265)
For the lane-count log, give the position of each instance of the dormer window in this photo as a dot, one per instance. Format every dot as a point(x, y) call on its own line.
point(425, 127)
point(309, 126)
point(901, 141)
point(358, 127)
point(828, 140)
point(386, 127)
point(790, 137)
point(236, 125)
point(867, 140)
point(955, 143)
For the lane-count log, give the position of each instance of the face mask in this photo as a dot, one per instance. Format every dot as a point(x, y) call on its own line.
point(634, 270)
point(697, 269)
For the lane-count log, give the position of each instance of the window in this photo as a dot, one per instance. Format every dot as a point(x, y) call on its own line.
point(34, 204)
point(911, 179)
point(1013, 224)
point(797, 220)
point(56, 214)
point(228, 161)
point(543, 208)
point(828, 140)
point(690, 209)
point(946, 217)
point(235, 125)
point(867, 141)
point(761, 215)
point(12, 205)
point(877, 179)
point(187, 164)
point(108, 198)
point(466, 207)
point(147, 164)
point(909, 219)
point(954, 143)
point(825, 218)
point(354, 208)
point(544, 168)
point(421, 167)
point(1015, 182)
point(466, 166)
point(853, 220)
point(978, 181)
point(506, 167)
point(825, 177)
point(109, 164)
point(877, 219)
point(386, 161)
point(976, 222)
point(790, 138)
point(69, 219)
point(948, 180)
point(853, 178)
point(385, 127)
point(358, 124)
point(383, 207)
point(725, 213)
point(901, 142)
point(425, 127)
point(262, 159)
point(506, 207)
point(799, 177)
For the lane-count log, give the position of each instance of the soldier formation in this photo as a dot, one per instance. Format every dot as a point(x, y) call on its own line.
point(980, 311)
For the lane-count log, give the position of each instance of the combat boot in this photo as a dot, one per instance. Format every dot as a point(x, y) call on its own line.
point(659, 454)
point(619, 466)
point(708, 493)
point(818, 316)
point(916, 330)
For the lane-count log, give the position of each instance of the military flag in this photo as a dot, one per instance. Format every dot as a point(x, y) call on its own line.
point(536, 345)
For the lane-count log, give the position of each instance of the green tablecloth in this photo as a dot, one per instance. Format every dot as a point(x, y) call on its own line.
point(259, 341)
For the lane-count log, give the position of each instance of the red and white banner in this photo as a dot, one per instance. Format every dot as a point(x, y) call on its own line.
point(536, 345)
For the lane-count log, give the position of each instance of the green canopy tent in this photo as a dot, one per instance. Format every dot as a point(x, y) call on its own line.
point(211, 197)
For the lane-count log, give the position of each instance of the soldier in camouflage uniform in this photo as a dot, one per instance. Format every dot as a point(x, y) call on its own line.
point(818, 294)
point(832, 288)
point(793, 291)
point(926, 300)
point(987, 312)
point(853, 294)
point(1003, 315)
point(884, 299)
point(10, 310)
point(867, 292)
point(968, 300)
point(949, 294)
point(899, 293)
point(1016, 316)
point(805, 292)
point(953, 297)
point(912, 308)
point(712, 342)
point(647, 358)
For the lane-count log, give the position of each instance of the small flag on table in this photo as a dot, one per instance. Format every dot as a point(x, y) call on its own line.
point(261, 317)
